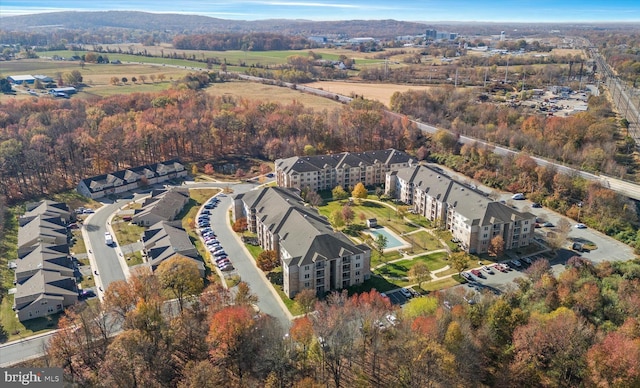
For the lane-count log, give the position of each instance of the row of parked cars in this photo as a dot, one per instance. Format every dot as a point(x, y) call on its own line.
point(502, 267)
point(210, 238)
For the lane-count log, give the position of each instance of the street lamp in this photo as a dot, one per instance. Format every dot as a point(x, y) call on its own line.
point(579, 210)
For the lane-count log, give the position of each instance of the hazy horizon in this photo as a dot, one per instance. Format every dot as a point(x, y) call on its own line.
point(543, 11)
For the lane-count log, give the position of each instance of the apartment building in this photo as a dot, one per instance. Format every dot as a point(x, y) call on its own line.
point(312, 254)
point(324, 172)
point(470, 216)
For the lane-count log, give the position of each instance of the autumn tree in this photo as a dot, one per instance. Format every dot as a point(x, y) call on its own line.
point(232, 340)
point(180, 276)
point(347, 214)
point(313, 198)
point(339, 193)
point(306, 299)
point(114, 81)
point(244, 296)
point(459, 261)
point(419, 272)
point(194, 169)
point(268, 260)
point(496, 246)
point(337, 219)
point(208, 169)
point(240, 225)
point(359, 191)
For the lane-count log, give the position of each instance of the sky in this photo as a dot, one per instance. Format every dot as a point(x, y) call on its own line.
point(407, 10)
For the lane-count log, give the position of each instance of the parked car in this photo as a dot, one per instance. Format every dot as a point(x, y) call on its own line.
point(467, 276)
point(581, 226)
point(500, 267)
point(227, 267)
point(205, 211)
point(518, 196)
point(536, 205)
point(477, 273)
point(487, 269)
point(218, 259)
point(88, 211)
point(527, 260)
point(548, 224)
point(406, 293)
point(516, 263)
point(220, 253)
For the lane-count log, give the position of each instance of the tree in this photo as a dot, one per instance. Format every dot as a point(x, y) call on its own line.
point(339, 193)
point(417, 307)
point(496, 246)
point(337, 219)
point(359, 192)
point(73, 78)
point(314, 199)
point(180, 276)
point(615, 362)
point(347, 214)
point(194, 169)
point(142, 78)
point(152, 77)
point(306, 299)
point(244, 296)
point(125, 80)
point(208, 169)
point(459, 261)
point(134, 79)
point(240, 225)
point(419, 272)
point(380, 243)
point(268, 260)
point(379, 192)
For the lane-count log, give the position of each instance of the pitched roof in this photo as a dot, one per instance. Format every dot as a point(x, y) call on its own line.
point(45, 229)
point(43, 256)
point(46, 282)
point(163, 204)
point(133, 174)
point(165, 239)
point(315, 163)
point(302, 231)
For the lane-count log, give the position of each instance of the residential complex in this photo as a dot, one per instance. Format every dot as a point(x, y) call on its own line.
point(324, 172)
point(470, 216)
point(312, 254)
point(162, 205)
point(44, 271)
point(166, 240)
point(131, 178)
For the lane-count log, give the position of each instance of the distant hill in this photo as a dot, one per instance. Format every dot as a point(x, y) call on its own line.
point(185, 24)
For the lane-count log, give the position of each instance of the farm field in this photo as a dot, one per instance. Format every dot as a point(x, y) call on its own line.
point(371, 91)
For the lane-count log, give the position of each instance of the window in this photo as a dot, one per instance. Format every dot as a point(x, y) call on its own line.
point(306, 267)
point(357, 273)
point(357, 265)
point(306, 276)
point(307, 285)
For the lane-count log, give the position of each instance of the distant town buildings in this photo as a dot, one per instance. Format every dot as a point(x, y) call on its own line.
point(312, 254)
point(324, 172)
point(472, 218)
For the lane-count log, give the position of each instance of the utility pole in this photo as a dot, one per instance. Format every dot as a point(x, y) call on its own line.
point(506, 71)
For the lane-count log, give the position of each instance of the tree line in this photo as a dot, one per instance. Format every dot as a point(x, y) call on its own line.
point(240, 41)
point(579, 328)
point(49, 145)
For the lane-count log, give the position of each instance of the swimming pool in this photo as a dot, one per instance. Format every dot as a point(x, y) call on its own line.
point(393, 241)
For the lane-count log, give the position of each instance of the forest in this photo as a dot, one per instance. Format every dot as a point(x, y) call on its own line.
point(578, 329)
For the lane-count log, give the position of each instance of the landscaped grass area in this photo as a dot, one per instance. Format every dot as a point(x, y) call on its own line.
point(78, 246)
point(397, 272)
point(376, 282)
point(385, 215)
point(126, 232)
point(423, 240)
point(255, 250)
point(87, 281)
point(440, 284)
point(16, 329)
point(134, 258)
point(376, 259)
point(202, 195)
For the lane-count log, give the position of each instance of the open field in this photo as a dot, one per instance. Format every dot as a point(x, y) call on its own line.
point(256, 91)
point(371, 91)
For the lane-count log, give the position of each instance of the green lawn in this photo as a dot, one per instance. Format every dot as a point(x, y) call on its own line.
point(397, 272)
point(134, 258)
point(389, 256)
point(376, 282)
point(77, 247)
point(440, 284)
point(16, 329)
point(386, 216)
point(202, 195)
point(255, 250)
point(126, 232)
point(424, 241)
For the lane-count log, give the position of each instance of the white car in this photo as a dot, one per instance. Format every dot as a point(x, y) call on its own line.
point(518, 196)
point(581, 226)
point(406, 293)
point(392, 319)
point(487, 269)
